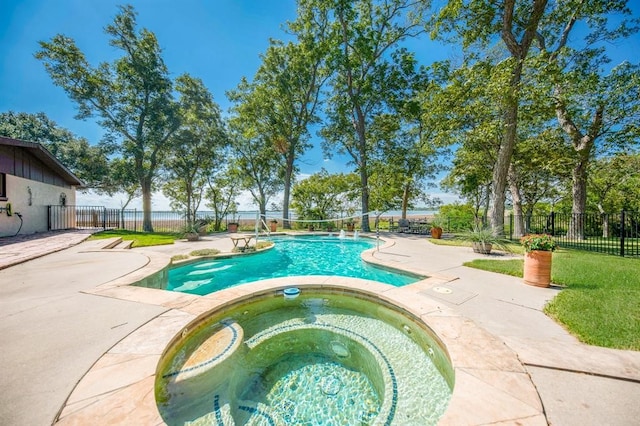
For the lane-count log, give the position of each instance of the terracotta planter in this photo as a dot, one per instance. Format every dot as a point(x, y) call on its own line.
point(350, 227)
point(232, 227)
point(436, 232)
point(537, 268)
point(482, 248)
point(273, 226)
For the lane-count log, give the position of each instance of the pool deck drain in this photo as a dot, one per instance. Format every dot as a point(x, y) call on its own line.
point(449, 294)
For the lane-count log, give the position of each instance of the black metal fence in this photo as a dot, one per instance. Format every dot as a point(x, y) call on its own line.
point(617, 233)
point(165, 221)
point(84, 217)
point(100, 217)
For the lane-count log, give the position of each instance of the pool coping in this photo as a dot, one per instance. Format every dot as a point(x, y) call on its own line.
point(491, 384)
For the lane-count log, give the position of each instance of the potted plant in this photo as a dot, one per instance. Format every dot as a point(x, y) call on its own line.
point(538, 250)
point(190, 232)
point(350, 224)
point(273, 225)
point(483, 240)
point(436, 229)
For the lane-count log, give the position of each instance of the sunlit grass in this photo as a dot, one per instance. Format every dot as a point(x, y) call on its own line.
point(140, 239)
point(459, 241)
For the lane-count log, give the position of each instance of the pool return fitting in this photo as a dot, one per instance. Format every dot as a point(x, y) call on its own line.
point(291, 292)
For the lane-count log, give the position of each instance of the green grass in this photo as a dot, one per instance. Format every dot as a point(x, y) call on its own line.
point(140, 239)
point(459, 241)
point(204, 252)
point(512, 267)
point(601, 302)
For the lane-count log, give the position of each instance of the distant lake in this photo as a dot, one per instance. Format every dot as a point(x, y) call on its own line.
point(252, 214)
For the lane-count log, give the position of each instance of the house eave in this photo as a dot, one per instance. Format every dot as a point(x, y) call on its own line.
point(41, 153)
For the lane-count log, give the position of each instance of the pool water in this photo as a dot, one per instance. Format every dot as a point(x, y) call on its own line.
point(308, 255)
point(323, 358)
point(311, 386)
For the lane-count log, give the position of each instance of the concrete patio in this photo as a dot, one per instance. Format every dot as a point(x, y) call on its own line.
point(67, 320)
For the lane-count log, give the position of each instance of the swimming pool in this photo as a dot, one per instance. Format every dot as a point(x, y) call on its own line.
point(327, 357)
point(291, 256)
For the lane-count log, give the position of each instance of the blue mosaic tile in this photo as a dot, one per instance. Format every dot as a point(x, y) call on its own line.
point(234, 338)
point(254, 410)
point(216, 410)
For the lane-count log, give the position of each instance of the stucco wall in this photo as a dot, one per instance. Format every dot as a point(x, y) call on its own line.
point(34, 214)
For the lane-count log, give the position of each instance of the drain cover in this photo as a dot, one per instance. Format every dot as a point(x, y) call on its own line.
point(330, 385)
point(443, 290)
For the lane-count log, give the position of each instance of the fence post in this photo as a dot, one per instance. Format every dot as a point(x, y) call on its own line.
point(104, 218)
point(622, 232)
point(553, 224)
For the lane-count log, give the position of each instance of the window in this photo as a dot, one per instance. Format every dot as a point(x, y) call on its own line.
point(3, 186)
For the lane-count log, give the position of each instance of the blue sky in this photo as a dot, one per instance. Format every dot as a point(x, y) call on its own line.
point(218, 41)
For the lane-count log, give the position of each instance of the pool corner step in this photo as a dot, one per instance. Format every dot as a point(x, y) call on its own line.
point(211, 352)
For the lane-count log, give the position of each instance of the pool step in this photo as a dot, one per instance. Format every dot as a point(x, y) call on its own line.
point(116, 243)
point(216, 348)
point(124, 245)
point(110, 243)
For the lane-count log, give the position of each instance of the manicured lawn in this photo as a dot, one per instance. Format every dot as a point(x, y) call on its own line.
point(460, 242)
point(601, 302)
point(141, 239)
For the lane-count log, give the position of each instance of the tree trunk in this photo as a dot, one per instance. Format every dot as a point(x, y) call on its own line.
point(288, 176)
point(147, 225)
point(405, 200)
point(582, 144)
point(190, 216)
point(485, 208)
point(518, 214)
point(605, 221)
point(518, 225)
point(579, 195)
point(262, 205)
point(501, 167)
point(364, 179)
point(519, 51)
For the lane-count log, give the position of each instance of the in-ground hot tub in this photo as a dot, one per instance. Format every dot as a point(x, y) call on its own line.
point(325, 356)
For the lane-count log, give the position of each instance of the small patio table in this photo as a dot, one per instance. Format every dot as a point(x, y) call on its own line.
point(245, 239)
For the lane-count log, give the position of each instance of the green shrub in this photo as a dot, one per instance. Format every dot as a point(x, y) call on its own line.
point(455, 217)
point(263, 244)
point(205, 252)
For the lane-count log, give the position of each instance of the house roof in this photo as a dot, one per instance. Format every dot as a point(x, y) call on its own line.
point(42, 154)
